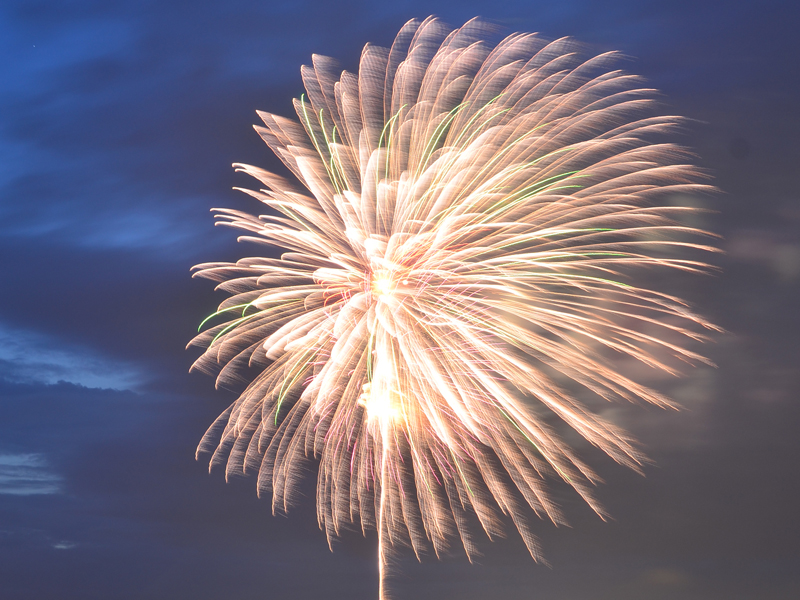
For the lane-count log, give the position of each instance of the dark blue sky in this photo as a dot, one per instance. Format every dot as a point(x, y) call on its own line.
point(118, 125)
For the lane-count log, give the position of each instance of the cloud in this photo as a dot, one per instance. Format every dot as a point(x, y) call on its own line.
point(764, 247)
point(27, 475)
point(30, 357)
point(117, 131)
point(64, 545)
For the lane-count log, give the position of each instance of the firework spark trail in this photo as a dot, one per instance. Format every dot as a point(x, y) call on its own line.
point(468, 233)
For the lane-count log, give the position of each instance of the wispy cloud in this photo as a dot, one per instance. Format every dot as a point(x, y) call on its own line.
point(31, 357)
point(27, 475)
point(64, 545)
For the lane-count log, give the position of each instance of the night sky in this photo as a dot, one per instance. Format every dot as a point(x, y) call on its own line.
point(118, 125)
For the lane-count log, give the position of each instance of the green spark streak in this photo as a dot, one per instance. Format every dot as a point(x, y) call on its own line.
point(369, 357)
point(389, 126)
point(232, 325)
point(437, 135)
point(335, 172)
point(474, 117)
point(534, 444)
point(586, 277)
point(500, 206)
point(489, 165)
point(314, 139)
point(546, 234)
point(285, 388)
point(241, 320)
point(219, 312)
point(433, 187)
point(308, 124)
point(535, 188)
point(460, 472)
point(570, 276)
point(299, 219)
point(577, 254)
point(528, 165)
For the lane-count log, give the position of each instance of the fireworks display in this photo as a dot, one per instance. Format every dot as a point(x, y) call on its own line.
point(469, 254)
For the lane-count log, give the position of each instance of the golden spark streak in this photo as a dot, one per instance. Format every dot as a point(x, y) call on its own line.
point(474, 228)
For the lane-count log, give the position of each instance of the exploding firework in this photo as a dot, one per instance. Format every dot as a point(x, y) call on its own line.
point(465, 258)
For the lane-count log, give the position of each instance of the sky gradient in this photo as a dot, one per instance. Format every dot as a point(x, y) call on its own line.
point(118, 125)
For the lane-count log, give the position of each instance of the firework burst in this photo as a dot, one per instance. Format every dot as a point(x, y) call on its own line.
point(465, 252)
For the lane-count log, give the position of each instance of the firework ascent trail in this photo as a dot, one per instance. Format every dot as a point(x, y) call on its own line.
point(467, 254)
